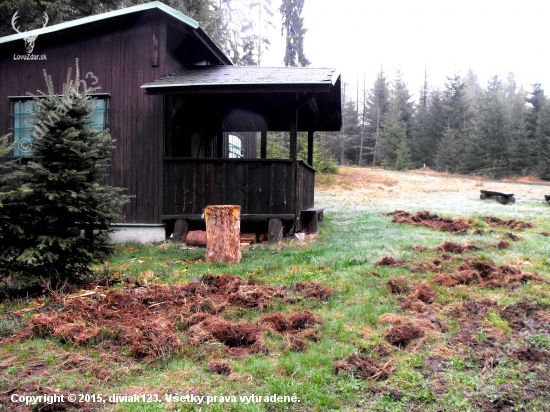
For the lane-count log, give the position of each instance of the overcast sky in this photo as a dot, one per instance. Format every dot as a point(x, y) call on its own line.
point(490, 36)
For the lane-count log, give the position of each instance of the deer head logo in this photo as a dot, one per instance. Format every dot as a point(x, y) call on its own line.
point(29, 40)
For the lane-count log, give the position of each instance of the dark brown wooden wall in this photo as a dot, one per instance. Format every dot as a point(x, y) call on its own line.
point(305, 187)
point(121, 55)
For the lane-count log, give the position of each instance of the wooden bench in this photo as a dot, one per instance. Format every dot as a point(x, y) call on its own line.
point(503, 198)
point(311, 218)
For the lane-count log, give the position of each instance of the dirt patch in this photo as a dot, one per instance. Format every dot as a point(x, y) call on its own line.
point(398, 285)
point(245, 336)
point(296, 328)
point(532, 356)
point(146, 319)
point(487, 275)
point(503, 245)
point(314, 290)
point(517, 314)
point(511, 223)
point(452, 247)
point(424, 293)
point(434, 364)
point(365, 367)
point(220, 367)
point(432, 221)
point(389, 261)
point(296, 321)
point(238, 293)
point(512, 236)
point(401, 335)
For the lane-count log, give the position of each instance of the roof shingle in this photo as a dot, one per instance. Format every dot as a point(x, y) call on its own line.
point(245, 75)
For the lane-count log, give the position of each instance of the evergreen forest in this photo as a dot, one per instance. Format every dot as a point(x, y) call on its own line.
point(495, 130)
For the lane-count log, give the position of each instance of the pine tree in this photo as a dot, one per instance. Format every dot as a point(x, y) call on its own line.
point(58, 191)
point(293, 27)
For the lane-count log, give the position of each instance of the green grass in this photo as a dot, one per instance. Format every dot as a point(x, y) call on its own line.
point(344, 257)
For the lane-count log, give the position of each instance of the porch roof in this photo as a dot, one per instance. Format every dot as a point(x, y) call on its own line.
point(225, 79)
point(240, 93)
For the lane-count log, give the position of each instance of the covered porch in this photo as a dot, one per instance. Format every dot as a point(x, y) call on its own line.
point(207, 106)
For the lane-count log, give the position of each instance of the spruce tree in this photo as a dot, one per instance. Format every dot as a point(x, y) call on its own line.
point(376, 106)
point(45, 203)
point(542, 136)
point(293, 27)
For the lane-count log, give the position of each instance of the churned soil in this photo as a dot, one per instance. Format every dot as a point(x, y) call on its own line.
point(297, 327)
point(452, 247)
point(486, 274)
point(146, 319)
point(511, 223)
point(314, 290)
point(365, 367)
point(398, 285)
point(220, 367)
point(402, 334)
point(432, 221)
point(390, 261)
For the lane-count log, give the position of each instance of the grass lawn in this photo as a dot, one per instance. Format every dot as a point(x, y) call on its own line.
point(328, 324)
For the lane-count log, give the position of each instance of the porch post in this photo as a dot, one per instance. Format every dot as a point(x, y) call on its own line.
point(219, 144)
point(310, 147)
point(294, 135)
point(263, 149)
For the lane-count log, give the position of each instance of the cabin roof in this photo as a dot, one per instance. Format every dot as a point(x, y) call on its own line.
point(104, 16)
point(216, 78)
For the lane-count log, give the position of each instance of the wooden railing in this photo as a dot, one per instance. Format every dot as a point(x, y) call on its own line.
point(271, 187)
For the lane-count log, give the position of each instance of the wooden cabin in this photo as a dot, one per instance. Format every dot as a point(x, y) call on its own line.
point(190, 128)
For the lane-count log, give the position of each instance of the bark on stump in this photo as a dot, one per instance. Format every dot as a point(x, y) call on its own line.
point(223, 228)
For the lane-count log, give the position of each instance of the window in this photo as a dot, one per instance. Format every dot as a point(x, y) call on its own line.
point(235, 146)
point(22, 121)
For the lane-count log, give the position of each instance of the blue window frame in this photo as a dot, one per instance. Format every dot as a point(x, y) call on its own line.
point(22, 121)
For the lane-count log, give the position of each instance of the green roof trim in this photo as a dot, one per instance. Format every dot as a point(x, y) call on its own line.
point(104, 16)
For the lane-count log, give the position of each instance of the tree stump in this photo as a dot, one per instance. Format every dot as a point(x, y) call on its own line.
point(275, 231)
point(181, 229)
point(223, 228)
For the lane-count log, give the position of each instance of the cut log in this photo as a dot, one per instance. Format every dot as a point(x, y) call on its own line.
point(196, 238)
point(275, 231)
point(223, 228)
point(248, 237)
point(181, 230)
